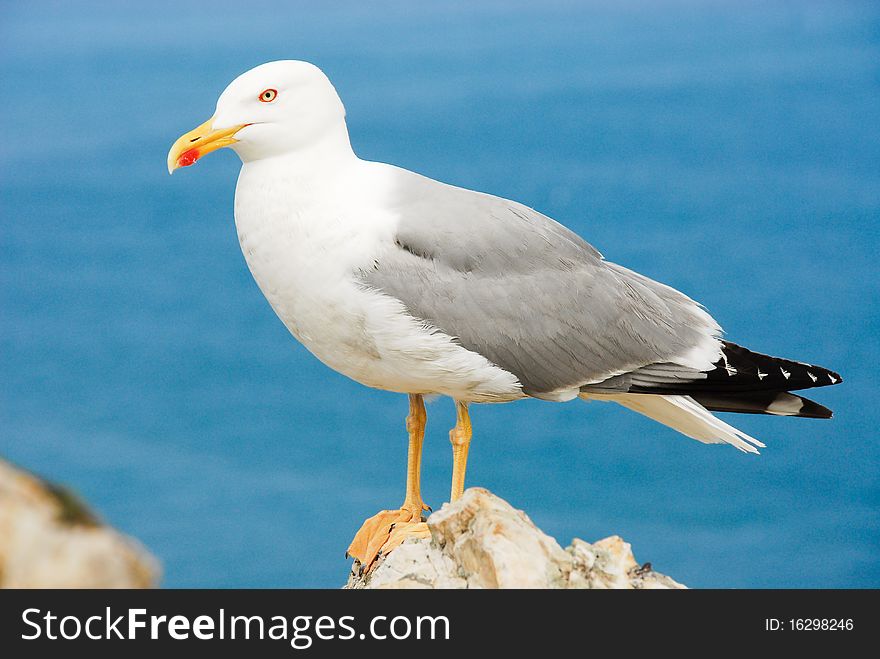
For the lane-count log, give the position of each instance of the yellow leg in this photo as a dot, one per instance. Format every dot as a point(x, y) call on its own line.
point(415, 426)
point(384, 531)
point(460, 436)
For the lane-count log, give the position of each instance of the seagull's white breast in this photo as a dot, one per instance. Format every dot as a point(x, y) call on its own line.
point(304, 236)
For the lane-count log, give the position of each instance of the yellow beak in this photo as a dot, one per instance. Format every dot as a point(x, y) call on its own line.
point(201, 140)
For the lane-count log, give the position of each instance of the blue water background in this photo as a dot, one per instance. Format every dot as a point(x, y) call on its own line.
point(731, 150)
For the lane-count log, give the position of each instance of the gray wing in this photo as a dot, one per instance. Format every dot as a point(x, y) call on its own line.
point(528, 294)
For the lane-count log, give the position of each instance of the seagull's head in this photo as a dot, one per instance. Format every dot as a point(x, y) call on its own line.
point(275, 108)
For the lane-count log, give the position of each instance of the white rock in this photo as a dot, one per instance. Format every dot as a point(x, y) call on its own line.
point(48, 539)
point(481, 541)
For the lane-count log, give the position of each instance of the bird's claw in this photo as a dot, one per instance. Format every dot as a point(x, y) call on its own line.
point(385, 531)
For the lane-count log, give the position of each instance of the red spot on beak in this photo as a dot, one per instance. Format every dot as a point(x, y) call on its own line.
point(187, 158)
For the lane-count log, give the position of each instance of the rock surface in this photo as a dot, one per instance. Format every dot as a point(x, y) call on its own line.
point(481, 541)
point(49, 539)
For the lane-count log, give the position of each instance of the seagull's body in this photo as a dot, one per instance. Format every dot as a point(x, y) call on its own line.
point(309, 254)
point(407, 284)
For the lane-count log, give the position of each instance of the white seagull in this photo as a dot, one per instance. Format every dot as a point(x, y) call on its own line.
point(410, 285)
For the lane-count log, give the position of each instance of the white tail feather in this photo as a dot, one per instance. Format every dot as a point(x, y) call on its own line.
point(685, 415)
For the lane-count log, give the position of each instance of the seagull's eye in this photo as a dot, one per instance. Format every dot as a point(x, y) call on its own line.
point(268, 95)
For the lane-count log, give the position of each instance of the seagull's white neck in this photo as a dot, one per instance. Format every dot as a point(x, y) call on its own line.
point(315, 161)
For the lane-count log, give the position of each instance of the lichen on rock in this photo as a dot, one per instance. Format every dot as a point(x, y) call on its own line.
point(49, 538)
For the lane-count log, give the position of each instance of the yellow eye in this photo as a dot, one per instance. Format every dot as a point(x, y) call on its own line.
point(268, 95)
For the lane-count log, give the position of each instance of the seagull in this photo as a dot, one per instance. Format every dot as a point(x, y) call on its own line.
point(410, 285)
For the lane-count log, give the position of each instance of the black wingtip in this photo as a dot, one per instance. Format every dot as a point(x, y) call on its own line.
point(782, 403)
point(813, 410)
point(771, 373)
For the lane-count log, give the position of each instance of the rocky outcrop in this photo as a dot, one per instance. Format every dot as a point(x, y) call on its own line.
point(481, 541)
point(50, 539)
